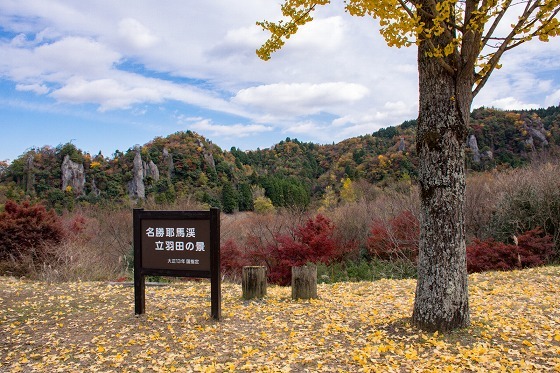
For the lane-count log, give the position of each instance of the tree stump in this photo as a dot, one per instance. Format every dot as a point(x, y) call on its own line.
point(254, 282)
point(304, 282)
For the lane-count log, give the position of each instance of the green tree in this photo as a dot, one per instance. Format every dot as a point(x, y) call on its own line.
point(70, 150)
point(229, 198)
point(245, 197)
point(165, 191)
point(294, 193)
point(460, 43)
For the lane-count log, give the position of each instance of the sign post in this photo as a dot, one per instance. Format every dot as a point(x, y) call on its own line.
point(179, 244)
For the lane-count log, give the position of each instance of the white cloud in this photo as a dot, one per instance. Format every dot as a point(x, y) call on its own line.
point(324, 133)
point(37, 88)
point(335, 78)
point(108, 93)
point(135, 34)
point(57, 61)
point(207, 127)
point(239, 42)
point(511, 103)
point(300, 98)
point(123, 90)
point(553, 99)
point(316, 130)
point(75, 55)
point(397, 107)
point(321, 35)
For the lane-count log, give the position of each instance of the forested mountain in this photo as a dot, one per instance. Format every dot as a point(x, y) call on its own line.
point(289, 173)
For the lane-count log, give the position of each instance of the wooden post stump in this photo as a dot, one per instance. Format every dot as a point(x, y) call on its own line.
point(254, 282)
point(304, 282)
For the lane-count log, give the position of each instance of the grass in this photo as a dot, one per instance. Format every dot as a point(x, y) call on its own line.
point(352, 327)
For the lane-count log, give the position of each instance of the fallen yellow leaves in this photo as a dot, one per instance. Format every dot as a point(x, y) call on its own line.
point(353, 327)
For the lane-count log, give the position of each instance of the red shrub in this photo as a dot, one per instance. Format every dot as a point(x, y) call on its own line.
point(313, 242)
point(395, 239)
point(27, 229)
point(232, 259)
point(490, 255)
point(78, 224)
point(317, 237)
point(536, 248)
point(79, 228)
point(533, 249)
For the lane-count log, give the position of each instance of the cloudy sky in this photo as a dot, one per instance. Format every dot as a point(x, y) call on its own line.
point(106, 75)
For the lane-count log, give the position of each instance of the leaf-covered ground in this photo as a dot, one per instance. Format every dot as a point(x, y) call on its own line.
point(353, 327)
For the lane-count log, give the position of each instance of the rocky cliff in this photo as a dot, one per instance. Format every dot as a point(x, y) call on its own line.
point(141, 170)
point(136, 187)
point(73, 176)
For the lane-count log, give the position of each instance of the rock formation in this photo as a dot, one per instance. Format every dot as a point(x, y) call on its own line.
point(73, 176)
point(207, 155)
point(141, 170)
point(94, 189)
point(536, 132)
point(150, 170)
point(473, 145)
point(487, 155)
point(168, 162)
point(136, 187)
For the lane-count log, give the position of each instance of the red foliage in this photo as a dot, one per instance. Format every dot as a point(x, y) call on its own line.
point(313, 242)
point(395, 239)
point(533, 249)
point(78, 224)
point(536, 248)
point(27, 229)
point(232, 258)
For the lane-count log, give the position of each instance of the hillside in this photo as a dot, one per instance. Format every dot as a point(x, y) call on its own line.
point(289, 173)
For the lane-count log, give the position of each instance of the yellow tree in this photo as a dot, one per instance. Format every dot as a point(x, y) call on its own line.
point(460, 44)
point(347, 192)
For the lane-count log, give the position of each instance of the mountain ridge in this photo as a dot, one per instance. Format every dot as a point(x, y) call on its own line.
point(289, 172)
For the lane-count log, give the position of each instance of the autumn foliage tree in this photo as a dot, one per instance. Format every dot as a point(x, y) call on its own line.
point(460, 44)
point(313, 242)
point(396, 239)
point(26, 230)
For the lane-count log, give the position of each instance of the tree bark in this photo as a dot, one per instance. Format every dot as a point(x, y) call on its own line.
point(253, 282)
point(304, 282)
point(441, 301)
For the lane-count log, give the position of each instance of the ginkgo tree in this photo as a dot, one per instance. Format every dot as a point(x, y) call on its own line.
point(460, 43)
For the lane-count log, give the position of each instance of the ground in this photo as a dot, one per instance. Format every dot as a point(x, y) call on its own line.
point(352, 327)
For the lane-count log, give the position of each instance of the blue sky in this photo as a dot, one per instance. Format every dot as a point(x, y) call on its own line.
point(107, 75)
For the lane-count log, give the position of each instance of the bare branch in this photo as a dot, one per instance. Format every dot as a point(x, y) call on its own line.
point(408, 10)
point(493, 62)
point(490, 32)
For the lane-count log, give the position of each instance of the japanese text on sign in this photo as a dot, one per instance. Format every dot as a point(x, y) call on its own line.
point(173, 245)
point(176, 244)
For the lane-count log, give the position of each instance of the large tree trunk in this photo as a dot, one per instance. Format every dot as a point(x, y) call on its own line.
point(441, 301)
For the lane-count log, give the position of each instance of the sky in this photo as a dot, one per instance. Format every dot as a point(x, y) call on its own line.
point(107, 75)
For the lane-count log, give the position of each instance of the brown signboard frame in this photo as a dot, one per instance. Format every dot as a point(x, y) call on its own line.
point(177, 244)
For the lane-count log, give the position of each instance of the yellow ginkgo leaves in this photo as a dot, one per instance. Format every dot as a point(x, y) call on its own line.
point(352, 327)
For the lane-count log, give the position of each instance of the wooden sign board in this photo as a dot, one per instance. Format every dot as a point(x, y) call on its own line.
point(180, 244)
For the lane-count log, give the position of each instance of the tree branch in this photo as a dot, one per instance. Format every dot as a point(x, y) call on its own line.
point(529, 9)
point(495, 23)
point(408, 10)
point(440, 60)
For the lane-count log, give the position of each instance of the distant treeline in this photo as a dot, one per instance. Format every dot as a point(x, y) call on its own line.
point(290, 173)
